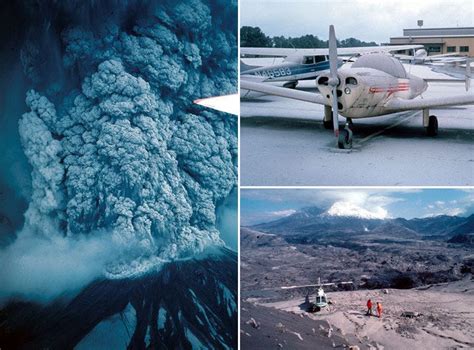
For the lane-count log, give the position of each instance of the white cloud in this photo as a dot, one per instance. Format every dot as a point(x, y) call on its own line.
point(351, 209)
point(463, 206)
point(370, 20)
point(252, 218)
point(447, 211)
point(283, 213)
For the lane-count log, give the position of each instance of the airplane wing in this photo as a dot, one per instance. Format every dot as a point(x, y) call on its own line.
point(227, 103)
point(398, 104)
point(283, 92)
point(284, 52)
point(447, 60)
point(444, 58)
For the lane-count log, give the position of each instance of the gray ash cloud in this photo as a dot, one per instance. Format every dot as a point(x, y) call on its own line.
point(116, 148)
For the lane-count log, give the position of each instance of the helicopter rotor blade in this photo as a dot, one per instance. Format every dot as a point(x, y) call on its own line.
point(295, 287)
point(316, 285)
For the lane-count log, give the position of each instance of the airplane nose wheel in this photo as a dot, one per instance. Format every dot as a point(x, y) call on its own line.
point(432, 129)
point(327, 124)
point(345, 138)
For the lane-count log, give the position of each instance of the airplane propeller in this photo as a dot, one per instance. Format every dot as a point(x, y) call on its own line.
point(344, 139)
point(334, 80)
point(468, 74)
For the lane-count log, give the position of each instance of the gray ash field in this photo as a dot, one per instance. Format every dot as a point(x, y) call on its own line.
point(421, 265)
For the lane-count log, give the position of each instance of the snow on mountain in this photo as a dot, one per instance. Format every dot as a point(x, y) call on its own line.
point(351, 209)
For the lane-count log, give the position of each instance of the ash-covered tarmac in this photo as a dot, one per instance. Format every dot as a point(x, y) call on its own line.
point(284, 142)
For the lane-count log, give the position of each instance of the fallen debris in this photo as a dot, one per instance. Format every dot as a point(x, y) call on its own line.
point(410, 314)
point(253, 323)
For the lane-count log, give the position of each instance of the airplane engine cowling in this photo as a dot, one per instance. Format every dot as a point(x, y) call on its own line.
point(361, 95)
point(348, 91)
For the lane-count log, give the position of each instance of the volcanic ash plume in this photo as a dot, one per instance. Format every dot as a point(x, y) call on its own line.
point(117, 149)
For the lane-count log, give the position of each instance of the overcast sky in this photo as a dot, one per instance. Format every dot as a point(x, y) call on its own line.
point(368, 20)
point(265, 205)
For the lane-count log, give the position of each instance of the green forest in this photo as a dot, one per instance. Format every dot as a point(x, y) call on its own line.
point(255, 37)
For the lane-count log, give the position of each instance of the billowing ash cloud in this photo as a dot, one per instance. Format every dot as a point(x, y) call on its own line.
point(116, 145)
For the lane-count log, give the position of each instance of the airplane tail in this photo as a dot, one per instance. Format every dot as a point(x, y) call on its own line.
point(245, 67)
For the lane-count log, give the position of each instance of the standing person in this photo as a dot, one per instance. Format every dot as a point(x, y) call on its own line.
point(379, 309)
point(369, 307)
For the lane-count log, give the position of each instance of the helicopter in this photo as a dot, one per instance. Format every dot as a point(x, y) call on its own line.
point(321, 300)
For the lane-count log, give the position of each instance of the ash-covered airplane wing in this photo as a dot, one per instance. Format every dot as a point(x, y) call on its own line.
point(398, 104)
point(227, 103)
point(284, 52)
point(454, 57)
point(283, 92)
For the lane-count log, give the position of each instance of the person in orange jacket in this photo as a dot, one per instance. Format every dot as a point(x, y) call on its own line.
point(369, 307)
point(379, 309)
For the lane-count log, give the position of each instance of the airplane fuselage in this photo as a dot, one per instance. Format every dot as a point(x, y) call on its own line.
point(289, 71)
point(364, 92)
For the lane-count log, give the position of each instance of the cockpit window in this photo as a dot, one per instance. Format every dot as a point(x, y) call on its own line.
point(308, 60)
point(383, 63)
point(318, 59)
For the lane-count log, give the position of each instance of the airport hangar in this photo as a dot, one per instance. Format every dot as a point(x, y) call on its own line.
point(439, 40)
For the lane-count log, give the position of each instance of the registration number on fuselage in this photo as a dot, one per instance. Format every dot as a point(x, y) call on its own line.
point(274, 73)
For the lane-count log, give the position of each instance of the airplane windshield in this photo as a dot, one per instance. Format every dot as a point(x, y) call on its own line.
point(382, 63)
point(318, 59)
point(308, 60)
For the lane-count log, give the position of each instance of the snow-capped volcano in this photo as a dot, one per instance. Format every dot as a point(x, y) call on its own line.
point(351, 209)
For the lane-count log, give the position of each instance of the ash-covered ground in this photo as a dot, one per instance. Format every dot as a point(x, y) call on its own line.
point(396, 255)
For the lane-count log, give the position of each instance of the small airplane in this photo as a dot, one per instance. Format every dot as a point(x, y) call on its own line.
point(321, 300)
point(375, 85)
point(421, 57)
point(303, 64)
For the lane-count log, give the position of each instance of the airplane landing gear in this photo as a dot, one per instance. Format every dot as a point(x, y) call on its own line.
point(327, 121)
point(430, 122)
point(327, 124)
point(345, 138)
point(432, 128)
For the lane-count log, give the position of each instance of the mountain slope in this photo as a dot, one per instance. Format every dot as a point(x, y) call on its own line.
point(187, 304)
point(314, 223)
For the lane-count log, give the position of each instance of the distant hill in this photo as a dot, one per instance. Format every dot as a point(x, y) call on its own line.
point(463, 238)
point(314, 223)
point(466, 227)
point(250, 238)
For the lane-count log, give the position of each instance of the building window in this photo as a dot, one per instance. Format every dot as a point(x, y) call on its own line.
point(451, 48)
point(434, 49)
point(464, 49)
